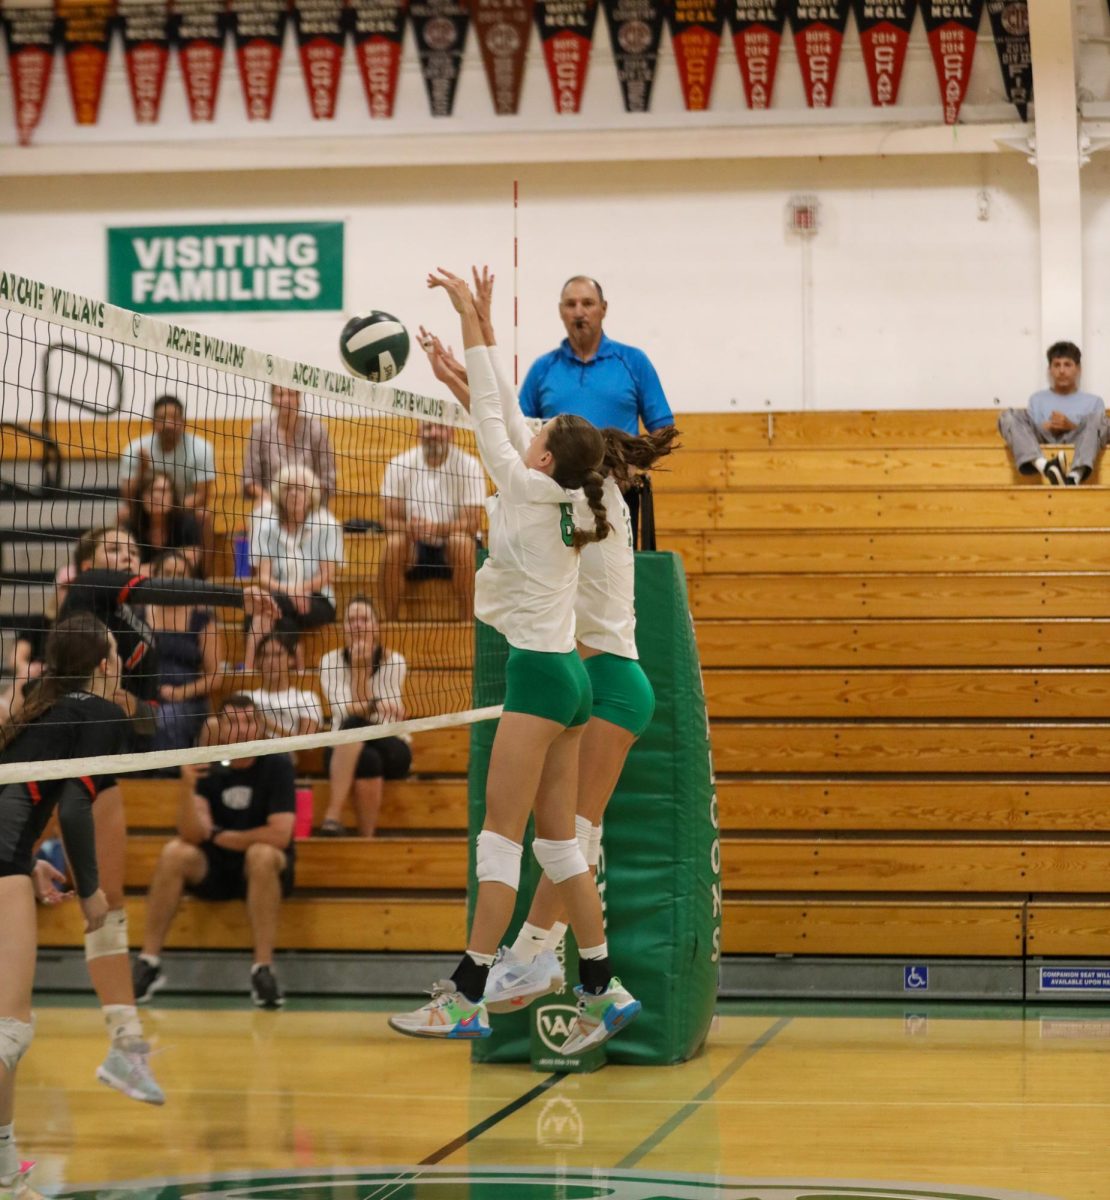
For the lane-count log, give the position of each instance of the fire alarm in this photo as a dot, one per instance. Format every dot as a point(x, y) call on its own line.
point(803, 215)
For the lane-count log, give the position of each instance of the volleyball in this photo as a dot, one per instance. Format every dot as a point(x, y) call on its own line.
point(374, 347)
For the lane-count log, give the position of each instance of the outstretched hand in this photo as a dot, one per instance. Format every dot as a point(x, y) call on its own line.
point(461, 298)
point(445, 366)
point(483, 296)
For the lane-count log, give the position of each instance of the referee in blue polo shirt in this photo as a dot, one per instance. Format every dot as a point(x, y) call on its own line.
point(606, 382)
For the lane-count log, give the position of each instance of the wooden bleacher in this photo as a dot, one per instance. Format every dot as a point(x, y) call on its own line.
point(909, 694)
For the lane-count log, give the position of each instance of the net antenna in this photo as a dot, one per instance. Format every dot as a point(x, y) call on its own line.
point(78, 382)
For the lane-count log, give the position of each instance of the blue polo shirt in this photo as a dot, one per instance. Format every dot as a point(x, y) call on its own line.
point(617, 387)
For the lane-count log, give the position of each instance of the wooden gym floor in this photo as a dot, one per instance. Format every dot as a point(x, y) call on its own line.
point(801, 1102)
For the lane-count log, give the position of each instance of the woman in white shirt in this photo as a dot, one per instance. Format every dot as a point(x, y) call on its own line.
point(526, 590)
point(364, 684)
point(297, 550)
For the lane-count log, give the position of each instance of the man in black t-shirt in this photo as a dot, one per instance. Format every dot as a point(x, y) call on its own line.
point(235, 842)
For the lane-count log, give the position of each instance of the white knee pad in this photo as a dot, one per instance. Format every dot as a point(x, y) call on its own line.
point(498, 859)
point(582, 831)
point(593, 857)
point(560, 860)
point(110, 938)
point(15, 1040)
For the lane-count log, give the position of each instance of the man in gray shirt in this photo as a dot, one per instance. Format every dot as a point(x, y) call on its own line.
point(287, 438)
point(1060, 415)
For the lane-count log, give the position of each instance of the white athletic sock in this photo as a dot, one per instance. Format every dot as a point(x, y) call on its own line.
point(483, 960)
point(594, 952)
point(555, 935)
point(123, 1022)
point(529, 942)
point(1040, 463)
point(155, 960)
point(259, 966)
point(9, 1155)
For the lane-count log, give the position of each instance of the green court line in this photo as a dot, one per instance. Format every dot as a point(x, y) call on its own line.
point(687, 1110)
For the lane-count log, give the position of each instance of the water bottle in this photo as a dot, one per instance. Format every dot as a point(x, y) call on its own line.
point(241, 548)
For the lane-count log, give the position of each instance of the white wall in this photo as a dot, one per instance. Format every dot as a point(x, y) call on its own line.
point(916, 301)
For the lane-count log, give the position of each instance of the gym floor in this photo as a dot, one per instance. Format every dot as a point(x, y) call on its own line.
point(790, 1101)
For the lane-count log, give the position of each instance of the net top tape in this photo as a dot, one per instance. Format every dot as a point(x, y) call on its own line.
point(98, 318)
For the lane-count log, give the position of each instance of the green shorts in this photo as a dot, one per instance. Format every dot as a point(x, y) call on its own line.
point(553, 686)
point(622, 692)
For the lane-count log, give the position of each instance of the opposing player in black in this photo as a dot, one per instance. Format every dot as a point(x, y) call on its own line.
point(69, 715)
point(234, 842)
point(110, 585)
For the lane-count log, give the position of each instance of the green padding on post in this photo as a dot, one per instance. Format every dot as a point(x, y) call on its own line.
point(662, 852)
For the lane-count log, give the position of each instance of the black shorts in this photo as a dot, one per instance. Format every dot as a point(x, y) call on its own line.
point(101, 783)
point(226, 878)
point(429, 562)
point(8, 868)
point(381, 758)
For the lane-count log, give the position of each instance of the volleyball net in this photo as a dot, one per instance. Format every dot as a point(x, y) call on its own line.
point(348, 513)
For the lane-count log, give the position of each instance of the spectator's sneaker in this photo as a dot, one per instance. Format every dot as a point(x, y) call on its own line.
point(449, 1014)
point(18, 1188)
point(1054, 472)
point(146, 979)
point(127, 1070)
point(264, 989)
point(331, 828)
point(599, 1017)
point(513, 984)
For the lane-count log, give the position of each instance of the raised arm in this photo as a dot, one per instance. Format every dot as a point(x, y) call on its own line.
point(519, 433)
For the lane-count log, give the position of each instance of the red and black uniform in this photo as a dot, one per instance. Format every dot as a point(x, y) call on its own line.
point(77, 725)
point(117, 598)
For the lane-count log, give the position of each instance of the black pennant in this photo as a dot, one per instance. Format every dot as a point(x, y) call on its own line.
point(635, 28)
point(1010, 24)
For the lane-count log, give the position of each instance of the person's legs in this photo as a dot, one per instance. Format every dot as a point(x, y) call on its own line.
point(1088, 438)
point(17, 972)
point(342, 763)
point(395, 562)
point(382, 759)
point(1021, 434)
point(263, 865)
point(459, 550)
point(180, 864)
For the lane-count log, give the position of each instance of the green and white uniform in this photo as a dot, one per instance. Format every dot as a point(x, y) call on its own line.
point(605, 614)
point(527, 586)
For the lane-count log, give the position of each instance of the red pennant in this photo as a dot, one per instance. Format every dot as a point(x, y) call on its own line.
point(503, 28)
point(259, 34)
point(201, 33)
point(953, 29)
point(30, 34)
point(819, 37)
point(696, 34)
point(757, 35)
point(379, 29)
point(567, 33)
point(86, 32)
point(321, 36)
point(146, 47)
point(884, 34)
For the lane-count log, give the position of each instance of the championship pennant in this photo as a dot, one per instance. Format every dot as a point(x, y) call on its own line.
point(696, 34)
point(952, 30)
point(146, 27)
point(502, 28)
point(818, 37)
point(379, 29)
point(757, 27)
point(884, 34)
point(86, 31)
point(200, 33)
point(440, 27)
point(567, 32)
point(321, 37)
point(259, 33)
point(635, 30)
point(1010, 23)
point(30, 33)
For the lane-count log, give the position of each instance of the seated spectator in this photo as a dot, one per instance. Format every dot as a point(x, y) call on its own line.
point(158, 523)
point(186, 458)
point(364, 685)
point(283, 709)
point(287, 438)
point(189, 660)
point(297, 549)
point(234, 842)
point(1059, 415)
point(433, 496)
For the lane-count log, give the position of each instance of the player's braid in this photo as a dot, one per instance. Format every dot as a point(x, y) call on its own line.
point(626, 453)
point(593, 484)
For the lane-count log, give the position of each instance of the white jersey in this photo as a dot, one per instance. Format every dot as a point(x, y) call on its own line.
point(526, 588)
point(605, 608)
